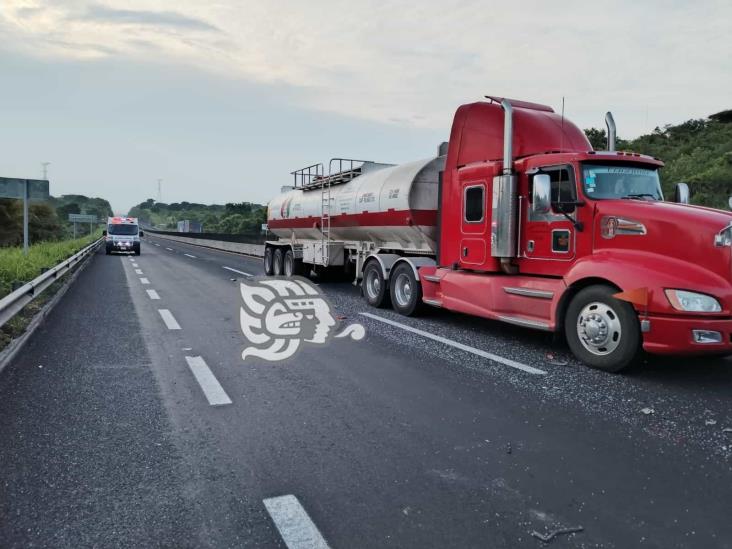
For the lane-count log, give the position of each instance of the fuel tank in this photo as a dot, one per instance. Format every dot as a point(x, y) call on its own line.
point(394, 207)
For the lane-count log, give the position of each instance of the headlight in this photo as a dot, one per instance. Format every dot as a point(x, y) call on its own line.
point(683, 300)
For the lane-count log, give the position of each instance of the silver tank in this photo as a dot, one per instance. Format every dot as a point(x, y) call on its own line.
point(392, 206)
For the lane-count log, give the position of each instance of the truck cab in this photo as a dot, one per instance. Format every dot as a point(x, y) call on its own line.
point(122, 235)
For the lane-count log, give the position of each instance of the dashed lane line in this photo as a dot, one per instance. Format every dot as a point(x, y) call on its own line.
point(138, 271)
point(236, 271)
point(212, 389)
point(479, 352)
point(144, 281)
point(169, 249)
point(293, 523)
point(153, 294)
point(169, 319)
point(190, 255)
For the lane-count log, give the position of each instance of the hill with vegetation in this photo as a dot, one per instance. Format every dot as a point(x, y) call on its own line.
point(231, 218)
point(48, 221)
point(697, 152)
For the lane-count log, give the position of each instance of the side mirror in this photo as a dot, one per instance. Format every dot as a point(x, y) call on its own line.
point(730, 202)
point(541, 197)
point(681, 193)
point(142, 233)
point(104, 232)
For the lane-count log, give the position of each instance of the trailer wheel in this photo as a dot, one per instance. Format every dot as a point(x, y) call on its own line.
point(603, 332)
point(374, 286)
point(268, 269)
point(406, 291)
point(277, 262)
point(290, 265)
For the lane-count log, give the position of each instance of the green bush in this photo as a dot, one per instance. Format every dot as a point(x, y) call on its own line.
point(16, 267)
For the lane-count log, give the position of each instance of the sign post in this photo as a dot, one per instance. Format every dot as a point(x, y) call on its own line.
point(82, 218)
point(25, 190)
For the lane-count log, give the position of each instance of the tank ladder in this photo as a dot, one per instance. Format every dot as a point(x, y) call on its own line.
point(325, 199)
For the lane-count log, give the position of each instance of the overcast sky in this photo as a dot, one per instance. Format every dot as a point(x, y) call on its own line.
point(223, 98)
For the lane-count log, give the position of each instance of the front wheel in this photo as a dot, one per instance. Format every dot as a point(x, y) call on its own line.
point(406, 291)
point(603, 332)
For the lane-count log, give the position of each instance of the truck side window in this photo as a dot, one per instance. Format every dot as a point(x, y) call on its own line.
point(563, 188)
point(474, 203)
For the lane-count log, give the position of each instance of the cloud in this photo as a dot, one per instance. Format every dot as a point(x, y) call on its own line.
point(104, 14)
point(389, 61)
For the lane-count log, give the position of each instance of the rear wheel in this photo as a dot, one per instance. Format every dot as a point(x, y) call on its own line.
point(603, 332)
point(268, 261)
point(277, 262)
point(291, 266)
point(373, 285)
point(406, 291)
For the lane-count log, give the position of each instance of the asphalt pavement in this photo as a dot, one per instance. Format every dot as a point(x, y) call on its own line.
point(131, 420)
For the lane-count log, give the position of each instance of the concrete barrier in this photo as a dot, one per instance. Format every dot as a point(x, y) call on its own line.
point(256, 250)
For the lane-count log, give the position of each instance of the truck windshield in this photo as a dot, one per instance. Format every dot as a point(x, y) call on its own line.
point(613, 181)
point(122, 230)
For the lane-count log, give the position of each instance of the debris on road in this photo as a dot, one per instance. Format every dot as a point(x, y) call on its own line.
point(509, 449)
point(546, 538)
point(551, 358)
point(710, 422)
point(648, 411)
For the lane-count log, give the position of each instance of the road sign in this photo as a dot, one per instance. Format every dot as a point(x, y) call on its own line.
point(15, 188)
point(82, 218)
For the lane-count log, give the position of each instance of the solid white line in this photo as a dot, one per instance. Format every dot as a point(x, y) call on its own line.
point(144, 281)
point(153, 294)
point(138, 271)
point(190, 255)
point(169, 319)
point(490, 356)
point(169, 249)
point(236, 271)
point(295, 526)
point(212, 389)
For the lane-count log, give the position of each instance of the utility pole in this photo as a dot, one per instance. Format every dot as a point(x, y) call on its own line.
point(160, 190)
point(45, 165)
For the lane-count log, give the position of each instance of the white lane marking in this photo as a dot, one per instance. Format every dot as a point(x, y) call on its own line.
point(153, 294)
point(144, 281)
point(169, 249)
point(169, 319)
point(490, 356)
point(236, 271)
point(295, 526)
point(156, 244)
point(130, 258)
point(212, 389)
point(191, 256)
point(138, 271)
point(135, 264)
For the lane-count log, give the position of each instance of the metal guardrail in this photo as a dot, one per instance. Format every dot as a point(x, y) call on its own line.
point(11, 304)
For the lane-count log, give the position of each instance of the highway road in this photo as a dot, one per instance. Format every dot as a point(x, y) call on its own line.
point(131, 420)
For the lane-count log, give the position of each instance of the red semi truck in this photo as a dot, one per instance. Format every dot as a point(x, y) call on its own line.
point(518, 219)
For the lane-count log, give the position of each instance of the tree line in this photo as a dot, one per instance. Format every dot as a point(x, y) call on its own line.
point(48, 221)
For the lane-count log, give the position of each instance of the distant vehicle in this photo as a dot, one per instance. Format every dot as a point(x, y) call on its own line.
point(189, 226)
point(518, 219)
point(122, 235)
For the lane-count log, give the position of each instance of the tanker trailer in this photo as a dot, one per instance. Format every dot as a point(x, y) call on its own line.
point(360, 208)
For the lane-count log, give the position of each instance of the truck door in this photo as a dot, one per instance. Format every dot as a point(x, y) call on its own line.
point(474, 241)
point(551, 235)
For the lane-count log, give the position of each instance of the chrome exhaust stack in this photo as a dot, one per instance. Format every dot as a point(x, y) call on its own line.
point(610, 123)
point(505, 199)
